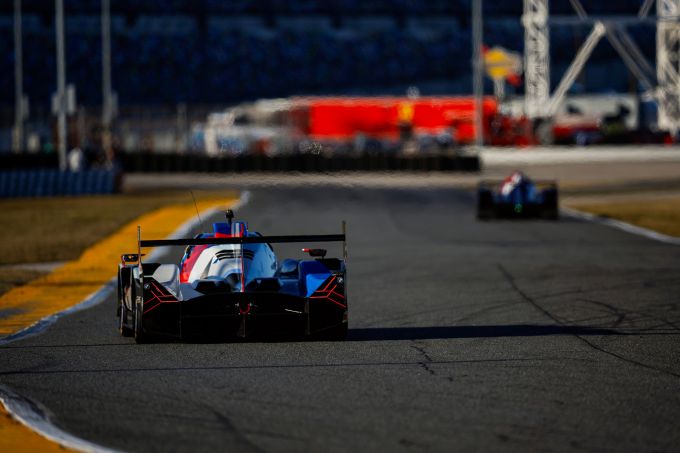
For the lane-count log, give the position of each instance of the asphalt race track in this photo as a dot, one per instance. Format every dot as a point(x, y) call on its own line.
point(464, 336)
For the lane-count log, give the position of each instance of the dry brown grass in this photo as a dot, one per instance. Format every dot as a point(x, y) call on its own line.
point(659, 215)
point(12, 277)
point(60, 228)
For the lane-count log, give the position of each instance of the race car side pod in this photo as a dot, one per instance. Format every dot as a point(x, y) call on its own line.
point(139, 249)
point(344, 254)
point(344, 241)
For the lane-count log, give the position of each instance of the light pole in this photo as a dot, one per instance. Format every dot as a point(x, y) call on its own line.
point(18, 81)
point(107, 95)
point(61, 83)
point(478, 67)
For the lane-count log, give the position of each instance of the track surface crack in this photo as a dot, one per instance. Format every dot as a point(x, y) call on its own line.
point(424, 364)
point(511, 280)
point(239, 440)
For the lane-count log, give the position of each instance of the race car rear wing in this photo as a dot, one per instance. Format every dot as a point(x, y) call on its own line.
point(243, 240)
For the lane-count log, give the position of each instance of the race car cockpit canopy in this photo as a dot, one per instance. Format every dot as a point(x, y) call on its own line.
point(512, 182)
point(230, 229)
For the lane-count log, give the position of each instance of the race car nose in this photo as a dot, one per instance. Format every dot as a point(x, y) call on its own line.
point(234, 281)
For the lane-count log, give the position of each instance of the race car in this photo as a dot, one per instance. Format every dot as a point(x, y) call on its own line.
point(517, 196)
point(229, 285)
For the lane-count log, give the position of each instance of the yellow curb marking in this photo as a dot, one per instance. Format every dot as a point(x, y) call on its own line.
point(70, 284)
point(15, 437)
point(74, 281)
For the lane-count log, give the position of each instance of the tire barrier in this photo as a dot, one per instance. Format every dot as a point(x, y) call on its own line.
point(305, 163)
point(49, 182)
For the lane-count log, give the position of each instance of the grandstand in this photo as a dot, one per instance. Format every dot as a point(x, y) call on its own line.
point(175, 61)
point(213, 52)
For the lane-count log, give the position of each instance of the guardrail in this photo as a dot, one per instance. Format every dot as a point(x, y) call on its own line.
point(49, 182)
point(145, 162)
point(12, 161)
point(306, 163)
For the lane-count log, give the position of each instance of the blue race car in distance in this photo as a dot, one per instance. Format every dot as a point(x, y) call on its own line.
point(229, 285)
point(517, 196)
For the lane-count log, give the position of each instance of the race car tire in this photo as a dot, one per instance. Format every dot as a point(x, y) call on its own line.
point(335, 333)
point(140, 336)
point(119, 292)
point(550, 209)
point(123, 329)
point(485, 206)
point(551, 214)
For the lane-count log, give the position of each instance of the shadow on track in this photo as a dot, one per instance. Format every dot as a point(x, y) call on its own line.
point(444, 332)
point(391, 334)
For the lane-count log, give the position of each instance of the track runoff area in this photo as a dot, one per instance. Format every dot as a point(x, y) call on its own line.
point(464, 335)
point(78, 285)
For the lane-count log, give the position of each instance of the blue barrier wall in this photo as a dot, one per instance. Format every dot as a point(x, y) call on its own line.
point(48, 182)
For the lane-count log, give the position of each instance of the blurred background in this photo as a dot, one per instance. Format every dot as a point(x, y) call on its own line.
point(226, 78)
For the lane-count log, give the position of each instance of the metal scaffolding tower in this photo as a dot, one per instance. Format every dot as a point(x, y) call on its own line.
point(478, 71)
point(61, 84)
point(667, 64)
point(21, 102)
point(665, 89)
point(108, 97)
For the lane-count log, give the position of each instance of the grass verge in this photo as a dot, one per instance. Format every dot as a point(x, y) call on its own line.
point(60, 228)
point(94, 265)
point(72, 282)
point(658, 215)
point(12, 277)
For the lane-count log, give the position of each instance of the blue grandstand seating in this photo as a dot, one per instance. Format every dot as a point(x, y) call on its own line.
point(50, 182)
point(216, 51)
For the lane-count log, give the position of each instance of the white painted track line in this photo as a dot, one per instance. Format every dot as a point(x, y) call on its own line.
point(35, 418)
point(620, 225)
